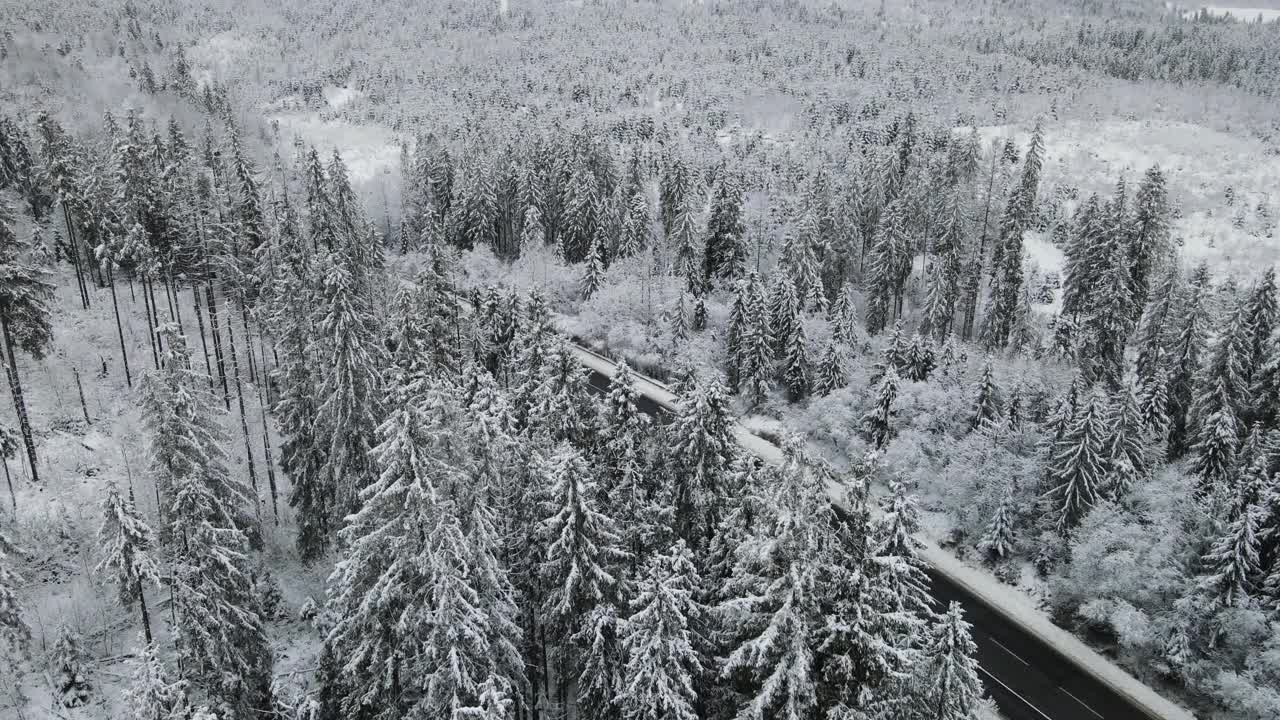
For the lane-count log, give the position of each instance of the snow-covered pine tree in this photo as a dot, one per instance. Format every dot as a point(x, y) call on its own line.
point(701, 452)
point(593, 272)
point(1184, 362)
point(987, 404)
point(1217, 439)
point(832, 373)
point(151, 695)
point(1128, 460)
point(348, 352)
point(999, 537)
point(1153, 329)
point(661, 640)
point(943, 292)
point(683, 237)
point(951, 688)
point(920, 360)
point(895, 553)
point(1231, 564)
point(221, 642)
point(15, 634)
point(186, 447)
point(756, 368)
point(725, 256)
point(1007, 272)
point(623, 447)
point(1149, 234)
point(796, 375)
point(126, 542)
point(1078, 466)
point(1263, 318)
point(1110, 320)
point(784, 311)
point(888, 250)
point(637, 226)
point(24, 322)
point(877, 422)
point(734, 334)
point(72, 684)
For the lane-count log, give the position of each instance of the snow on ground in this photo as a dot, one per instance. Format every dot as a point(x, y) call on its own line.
point(1243, 14)
point(339, 96)
point(1199, 164)
point(217, 56)
point(369, 151)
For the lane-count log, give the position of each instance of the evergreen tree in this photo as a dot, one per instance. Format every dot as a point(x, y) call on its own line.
point(700, 453)
point(186, 450)
point(920, 359)
point(624, 429)
point(987, 406)
point(1007, 280)
point(998, 539)
point(24, 322)
point(72, 684)
point(755, 369)
point(1185, 363)
point(784, 311)
point(1149, 238)
point(1110, 321)
point(725, 256)
point(734, 334)
point(577, 227)
point(151, 695)
point(637, 226)
point(661, 641)
point(1231, 564)
point(126, 542)
point(795, 364)
point(15, 634)
point(1078, 465)
point(877, 422)
point(832, 373)
point(890, 253)
point(943, 291)
point(895, 553)
point(953, 690)
point(1127, 457)
point(593, 274)
point(683, 237)
point(1262, 319)
point(1217, 440)
point(346, 348)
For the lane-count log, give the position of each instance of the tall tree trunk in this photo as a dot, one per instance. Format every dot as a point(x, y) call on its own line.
point(248, 342)
point(146, 616)
point(211, 303)
point(74, 247)
point(151, 323)
point(80, 389)
point(204, 344)
point(244, 422)
point(124, 352)
point(266, 446)
point(13, 497)
point(19, 404)
point(149, 286)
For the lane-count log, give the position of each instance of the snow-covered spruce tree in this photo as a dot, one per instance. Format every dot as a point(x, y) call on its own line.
point(1078, 466)
point(734, 334)
point(796, 375)
point(1110, 321)
point(1085, 258)
point(755, 368)
point(781, 610)
point(683, 238)
point(948, 673)
point(700, 452)
point(126, 542)
point(999, 537)
point(1128, 460)
point(15, 634)
point(579, 567)
point(877, 422)
point(1191, 329)
point(1217, 439)
point(637, 226)
point(661, 640)
point(1153, 404)
point(725, 256)
point(577, 226)
point(559, 407)
point(987, 404)
point(832, 372)
point(348, 352)
point(920, 360)
point(72, 683)
point(1223, 381)
point(1149, 234)
point(626, 485)
point(1152, 337)
point(895, 553)
point(943, 291)
point(784, 311)
point(888, 250)
point(1263, 314)
point(151, 695)
point(24, 322)
point(593, 272)
point(419, 652)
point(1007, 273)
point(843, 319)
point(186, 448)
point(222, 645)
point(1231, 565)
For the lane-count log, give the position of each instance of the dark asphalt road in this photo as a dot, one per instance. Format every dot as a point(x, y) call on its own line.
point(1026, 677)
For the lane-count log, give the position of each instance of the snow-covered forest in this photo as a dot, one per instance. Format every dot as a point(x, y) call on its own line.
point(294, 296)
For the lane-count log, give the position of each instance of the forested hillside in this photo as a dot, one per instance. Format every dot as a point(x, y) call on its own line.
point(287, 301)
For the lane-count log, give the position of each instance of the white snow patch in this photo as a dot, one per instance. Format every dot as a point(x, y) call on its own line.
point(339, 96)
point(217, 56)
point(1199, 165)
point(1240, 14)
point(368, 150)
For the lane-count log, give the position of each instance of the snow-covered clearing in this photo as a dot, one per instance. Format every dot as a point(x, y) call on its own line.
point(1243, 14)
point(1203, 167)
